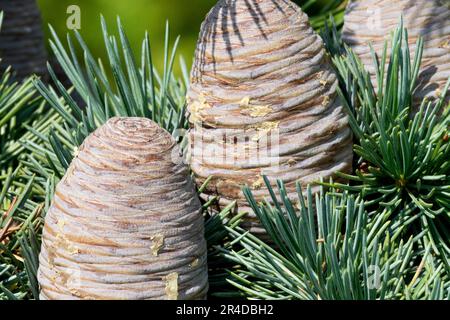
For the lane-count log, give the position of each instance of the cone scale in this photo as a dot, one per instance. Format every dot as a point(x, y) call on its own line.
point(125, 221)
point(263, 102)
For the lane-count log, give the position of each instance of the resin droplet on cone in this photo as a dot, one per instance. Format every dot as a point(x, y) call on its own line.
point(263, 101)
point(125, 222)
point(373, 21)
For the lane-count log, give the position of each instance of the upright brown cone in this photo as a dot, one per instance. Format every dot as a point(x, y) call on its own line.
point(125, 222)
point(22, 44)
point(373, 21)
point(263, 101)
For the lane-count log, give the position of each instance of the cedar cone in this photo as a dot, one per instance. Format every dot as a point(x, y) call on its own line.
point(263, 101)
point(373, 20)
point(125, 222)
point(22, 43)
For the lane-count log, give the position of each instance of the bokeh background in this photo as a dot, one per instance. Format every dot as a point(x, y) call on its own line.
point(184, 16)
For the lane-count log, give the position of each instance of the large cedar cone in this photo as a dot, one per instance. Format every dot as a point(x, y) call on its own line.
point(125, 222)
point(263, 101)
point(22, 43)
point(372, 21)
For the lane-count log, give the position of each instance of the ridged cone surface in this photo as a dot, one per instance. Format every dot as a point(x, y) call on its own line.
point(125, 221)
point(22, 44)
point(373, 21)
point(263, 101)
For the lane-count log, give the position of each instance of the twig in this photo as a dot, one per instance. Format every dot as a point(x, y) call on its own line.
point(8, 224)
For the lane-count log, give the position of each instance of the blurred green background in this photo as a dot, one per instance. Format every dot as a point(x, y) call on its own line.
point(137, 16)
point(185, 17)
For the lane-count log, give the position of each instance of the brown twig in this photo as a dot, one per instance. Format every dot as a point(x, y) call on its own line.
point(8, 224)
